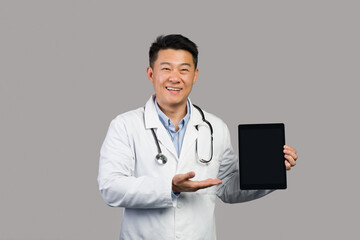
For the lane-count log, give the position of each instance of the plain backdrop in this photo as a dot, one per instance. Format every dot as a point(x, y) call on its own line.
point(67, 68)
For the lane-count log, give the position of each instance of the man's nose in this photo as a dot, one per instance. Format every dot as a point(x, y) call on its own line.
point(174, 77)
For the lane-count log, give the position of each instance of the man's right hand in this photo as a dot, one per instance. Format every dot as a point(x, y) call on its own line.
point(182, 183)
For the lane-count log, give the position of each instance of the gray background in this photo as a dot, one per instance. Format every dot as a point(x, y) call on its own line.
point(68, 67)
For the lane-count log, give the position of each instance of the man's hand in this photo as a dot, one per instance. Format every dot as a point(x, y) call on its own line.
point(290, 156)
point(182, 183)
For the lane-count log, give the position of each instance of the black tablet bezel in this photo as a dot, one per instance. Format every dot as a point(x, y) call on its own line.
point(245, 185)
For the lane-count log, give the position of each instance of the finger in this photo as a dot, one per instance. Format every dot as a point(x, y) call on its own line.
point(290, 160)
point(206, 183)
point(288, 165)
point(211, 180)
point(291, 153)
point(287, 147)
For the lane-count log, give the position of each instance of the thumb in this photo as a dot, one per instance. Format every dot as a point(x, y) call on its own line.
point(183, 177)
point(189, 175)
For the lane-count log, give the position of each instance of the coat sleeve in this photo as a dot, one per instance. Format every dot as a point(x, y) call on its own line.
point(229, 191)
point(118, 185)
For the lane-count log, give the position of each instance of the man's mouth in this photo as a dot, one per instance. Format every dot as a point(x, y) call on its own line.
point(173, 89)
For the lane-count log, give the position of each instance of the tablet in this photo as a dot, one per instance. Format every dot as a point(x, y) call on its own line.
point(261, 156)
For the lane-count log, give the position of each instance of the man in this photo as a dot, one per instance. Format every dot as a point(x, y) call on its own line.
point(172, 198)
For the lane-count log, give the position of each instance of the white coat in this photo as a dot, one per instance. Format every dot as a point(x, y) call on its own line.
point(129, 177)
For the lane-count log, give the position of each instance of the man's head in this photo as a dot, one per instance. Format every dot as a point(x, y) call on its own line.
point(172, 41)
point(172, 70)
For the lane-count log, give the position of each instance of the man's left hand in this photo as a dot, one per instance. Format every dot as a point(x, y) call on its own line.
point(290, 157)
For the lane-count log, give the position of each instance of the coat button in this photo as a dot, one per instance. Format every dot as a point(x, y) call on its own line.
point(178, 236)
point(179, 205)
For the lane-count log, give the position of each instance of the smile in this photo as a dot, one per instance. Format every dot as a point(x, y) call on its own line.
point(173, 89)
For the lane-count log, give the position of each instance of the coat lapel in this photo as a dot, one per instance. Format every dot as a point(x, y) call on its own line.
point(165, 140)
point(152, 121)
point(191, 133)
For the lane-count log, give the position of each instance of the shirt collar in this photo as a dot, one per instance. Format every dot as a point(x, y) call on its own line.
point(167, 122)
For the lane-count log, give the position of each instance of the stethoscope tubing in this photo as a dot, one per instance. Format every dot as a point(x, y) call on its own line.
point(162, 159)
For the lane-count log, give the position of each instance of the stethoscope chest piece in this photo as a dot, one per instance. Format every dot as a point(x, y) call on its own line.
point(161, 158)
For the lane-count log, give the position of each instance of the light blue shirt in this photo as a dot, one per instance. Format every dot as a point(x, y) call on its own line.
point(177, 137)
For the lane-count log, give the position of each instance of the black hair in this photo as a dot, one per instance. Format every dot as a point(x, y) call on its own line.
point(172, 41)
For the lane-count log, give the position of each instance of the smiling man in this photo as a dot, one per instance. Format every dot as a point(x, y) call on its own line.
point(150, 162)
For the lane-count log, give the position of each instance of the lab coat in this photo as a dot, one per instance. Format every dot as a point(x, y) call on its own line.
point(129, 177)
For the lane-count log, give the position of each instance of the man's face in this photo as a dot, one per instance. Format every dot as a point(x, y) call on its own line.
point(173, 75)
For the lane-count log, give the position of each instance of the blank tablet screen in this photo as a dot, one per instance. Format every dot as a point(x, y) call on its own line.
point(261, 156)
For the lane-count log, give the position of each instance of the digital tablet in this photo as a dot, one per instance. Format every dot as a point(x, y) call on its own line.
point(261, 156)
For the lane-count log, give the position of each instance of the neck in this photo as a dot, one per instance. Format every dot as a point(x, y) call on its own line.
point(174, 113)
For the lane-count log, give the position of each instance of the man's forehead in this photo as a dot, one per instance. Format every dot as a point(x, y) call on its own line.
point(181, 64)
point(174, 57)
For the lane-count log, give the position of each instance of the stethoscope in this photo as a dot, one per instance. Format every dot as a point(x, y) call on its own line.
point(162, 159)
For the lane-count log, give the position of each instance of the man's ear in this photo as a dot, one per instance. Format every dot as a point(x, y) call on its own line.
point(196, 75)
point(149, 73)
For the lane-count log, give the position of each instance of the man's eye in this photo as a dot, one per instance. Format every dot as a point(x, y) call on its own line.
point(184, 70)
point(166, 69)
